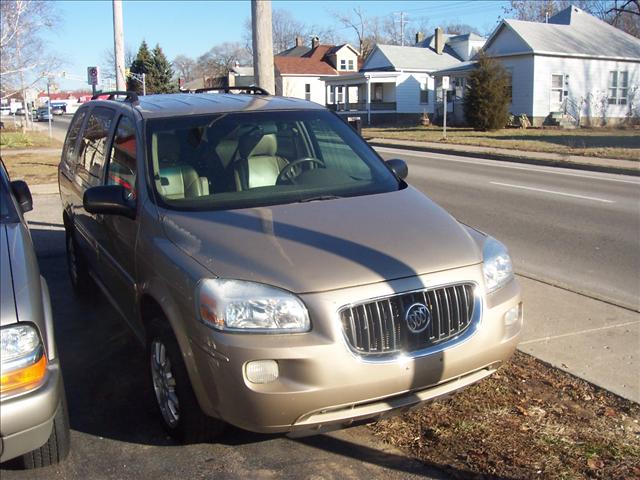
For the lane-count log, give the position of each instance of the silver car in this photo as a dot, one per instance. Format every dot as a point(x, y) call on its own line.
point(283, 277)
point(34, 423)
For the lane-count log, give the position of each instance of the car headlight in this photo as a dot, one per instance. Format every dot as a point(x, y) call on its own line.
point(23, 362)
point(496, 266)
point(235, 305)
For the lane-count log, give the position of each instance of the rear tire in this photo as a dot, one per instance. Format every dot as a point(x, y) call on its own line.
point(181, 415)
point(77, 266)
point(57, 447)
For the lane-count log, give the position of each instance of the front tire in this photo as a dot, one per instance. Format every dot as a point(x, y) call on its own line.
point(57, 447)
point(178, 406)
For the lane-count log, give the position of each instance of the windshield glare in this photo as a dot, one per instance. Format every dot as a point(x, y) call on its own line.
point(260, 158)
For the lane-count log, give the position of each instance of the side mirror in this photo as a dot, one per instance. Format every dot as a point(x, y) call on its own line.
point(22, 193)
point(399, 167)
point(108, 200)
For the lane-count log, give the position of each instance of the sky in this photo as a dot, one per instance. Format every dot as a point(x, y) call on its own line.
point(191, 28)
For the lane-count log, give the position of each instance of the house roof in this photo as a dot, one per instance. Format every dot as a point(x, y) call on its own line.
point(467, 36)
point(417, 58)
point(312, 63)
point(244, 71)
point(459, 69)
point(294, 51)
point(573, 32)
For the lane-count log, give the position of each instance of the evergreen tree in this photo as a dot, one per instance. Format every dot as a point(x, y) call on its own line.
point(161, 73)
point(143, 63)
point(486, 101)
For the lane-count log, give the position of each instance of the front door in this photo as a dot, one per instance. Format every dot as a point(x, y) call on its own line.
point(118, 240)
point(557, 89)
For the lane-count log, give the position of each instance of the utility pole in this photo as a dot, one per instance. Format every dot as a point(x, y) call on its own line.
point(262, 44)
point(402, 24)
point(118, 45)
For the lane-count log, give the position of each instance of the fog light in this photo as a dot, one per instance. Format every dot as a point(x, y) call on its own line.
point(262, 371)
point(513, 321)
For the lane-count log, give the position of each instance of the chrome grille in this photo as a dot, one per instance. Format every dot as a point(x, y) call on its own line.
point(379, 327)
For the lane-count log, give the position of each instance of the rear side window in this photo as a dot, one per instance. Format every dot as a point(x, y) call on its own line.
point(70, 143)
point(93, 145)
point(122, 166)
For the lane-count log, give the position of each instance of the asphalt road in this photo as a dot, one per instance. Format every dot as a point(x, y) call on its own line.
point(575, 229)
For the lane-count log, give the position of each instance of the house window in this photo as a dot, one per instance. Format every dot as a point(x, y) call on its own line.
point(618, 88)
point(332, 95)
point(339, 94)
point(350, 64)
point(377, 92)
point(307, 91)
point(343, 64)
point(508, 90)
point(424, 93)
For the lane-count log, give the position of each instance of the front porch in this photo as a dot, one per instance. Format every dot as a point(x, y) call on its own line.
point(364, 93)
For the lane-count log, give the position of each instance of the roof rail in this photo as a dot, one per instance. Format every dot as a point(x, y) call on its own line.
point(131, 97)
point(249, 90)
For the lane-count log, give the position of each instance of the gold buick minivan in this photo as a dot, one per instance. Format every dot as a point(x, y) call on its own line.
point(282, 276)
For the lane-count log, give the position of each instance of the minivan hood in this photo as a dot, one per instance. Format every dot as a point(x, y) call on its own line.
point(326, 245)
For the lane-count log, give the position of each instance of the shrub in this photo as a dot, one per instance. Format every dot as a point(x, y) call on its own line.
point(486, 101)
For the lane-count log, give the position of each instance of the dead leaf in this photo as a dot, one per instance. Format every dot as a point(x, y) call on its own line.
point(594, 463)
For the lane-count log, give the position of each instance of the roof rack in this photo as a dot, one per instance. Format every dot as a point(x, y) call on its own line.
point(249, 90)
point(131, 97)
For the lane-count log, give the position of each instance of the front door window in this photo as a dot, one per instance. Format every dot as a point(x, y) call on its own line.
point(557, 87)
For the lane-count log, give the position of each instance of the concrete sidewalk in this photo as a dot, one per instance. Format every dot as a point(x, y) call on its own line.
point(611, 165)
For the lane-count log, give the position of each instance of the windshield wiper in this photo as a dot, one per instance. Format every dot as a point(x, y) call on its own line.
point(319, 198)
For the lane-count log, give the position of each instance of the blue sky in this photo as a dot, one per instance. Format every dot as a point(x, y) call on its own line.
point(193, 27)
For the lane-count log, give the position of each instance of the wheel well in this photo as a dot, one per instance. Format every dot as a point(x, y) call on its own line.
point(149, 310)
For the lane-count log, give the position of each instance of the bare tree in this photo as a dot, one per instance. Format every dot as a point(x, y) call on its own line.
point(185, 67)
point(455, 28)
point(285, 29)
point(24, 57)
point(108, 61)
point(368, 30)
point(220, 59)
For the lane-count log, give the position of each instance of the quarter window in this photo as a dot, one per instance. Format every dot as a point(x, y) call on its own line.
point(122, 166)
point(70, 143)
point(91, 155)
point(618, 87)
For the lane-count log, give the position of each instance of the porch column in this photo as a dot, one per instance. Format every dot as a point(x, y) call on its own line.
point(368, 79)
point(346, 97)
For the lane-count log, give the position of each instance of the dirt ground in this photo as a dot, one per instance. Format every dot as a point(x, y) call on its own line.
point(34, 168)
point(526, 421)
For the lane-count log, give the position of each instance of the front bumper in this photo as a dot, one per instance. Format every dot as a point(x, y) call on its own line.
point(323, 385)
point(26, 419)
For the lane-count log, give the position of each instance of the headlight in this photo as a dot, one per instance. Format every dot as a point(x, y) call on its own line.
point(496, 266)
point(234, 305)
point(23, 363)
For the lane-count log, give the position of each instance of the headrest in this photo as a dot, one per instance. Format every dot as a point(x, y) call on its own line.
point(168, 148)
point(256, 143)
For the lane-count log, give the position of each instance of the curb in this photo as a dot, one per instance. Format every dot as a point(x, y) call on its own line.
point(513, 158)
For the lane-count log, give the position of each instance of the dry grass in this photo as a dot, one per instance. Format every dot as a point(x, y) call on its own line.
point(34, 168)
point(526, 421)
point(11, 138)
point(597, 142)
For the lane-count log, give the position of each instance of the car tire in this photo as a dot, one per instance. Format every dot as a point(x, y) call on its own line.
point(56, 448)
point(77, 266)
point(180, 412)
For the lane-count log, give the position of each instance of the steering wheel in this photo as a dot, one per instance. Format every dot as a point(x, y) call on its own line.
point(287, 174)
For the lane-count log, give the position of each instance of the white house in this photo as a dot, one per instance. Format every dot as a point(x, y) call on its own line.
point(575, 66)
point(301, 71)
point(395, 81)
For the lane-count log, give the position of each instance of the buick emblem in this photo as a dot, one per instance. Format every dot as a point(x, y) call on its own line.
point(417, 317)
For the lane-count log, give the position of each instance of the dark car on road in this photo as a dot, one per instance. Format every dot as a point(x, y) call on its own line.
point(34, 425)
point(283, 277)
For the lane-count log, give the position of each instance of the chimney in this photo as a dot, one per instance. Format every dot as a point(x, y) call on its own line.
point(419, 37)
point(439, 41)
point(315, 42)
point(299, 41)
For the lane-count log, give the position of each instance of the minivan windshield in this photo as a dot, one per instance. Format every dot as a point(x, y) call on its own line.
point(241, 160)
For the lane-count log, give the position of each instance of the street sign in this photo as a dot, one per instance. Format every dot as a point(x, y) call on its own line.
point(93, 76)
point(445, 83)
